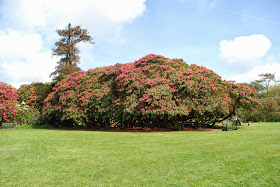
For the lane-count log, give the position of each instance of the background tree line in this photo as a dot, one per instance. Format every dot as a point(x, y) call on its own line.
point(268, 91)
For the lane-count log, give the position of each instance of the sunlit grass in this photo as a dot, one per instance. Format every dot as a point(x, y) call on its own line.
point(247, 157)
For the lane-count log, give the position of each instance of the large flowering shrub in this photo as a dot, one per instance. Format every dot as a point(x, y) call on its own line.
point(153, 91)
point(8, 101)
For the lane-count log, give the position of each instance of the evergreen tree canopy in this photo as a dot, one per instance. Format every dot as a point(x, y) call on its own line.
point(266, 78)
point(66, 48)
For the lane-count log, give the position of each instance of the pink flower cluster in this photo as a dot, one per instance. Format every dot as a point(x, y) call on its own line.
point(8, 101)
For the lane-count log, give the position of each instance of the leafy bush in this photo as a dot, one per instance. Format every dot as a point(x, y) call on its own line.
point(153, 91)
point(27, 115)
point(34, 94)
point(273, 91)
point(269, 111)
point(8, 100)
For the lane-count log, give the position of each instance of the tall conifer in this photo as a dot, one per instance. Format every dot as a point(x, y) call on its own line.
point(68, 51)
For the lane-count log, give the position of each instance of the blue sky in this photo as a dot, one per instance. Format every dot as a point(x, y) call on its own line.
point(236, 39)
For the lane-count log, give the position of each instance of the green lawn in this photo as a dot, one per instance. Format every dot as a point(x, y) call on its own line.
point(37, 157)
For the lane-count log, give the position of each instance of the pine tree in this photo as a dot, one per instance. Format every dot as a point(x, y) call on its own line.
point(266, 78)
point(66, 48)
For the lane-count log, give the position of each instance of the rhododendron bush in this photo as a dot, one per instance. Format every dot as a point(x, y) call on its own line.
point(153, 92)
point(8, 101)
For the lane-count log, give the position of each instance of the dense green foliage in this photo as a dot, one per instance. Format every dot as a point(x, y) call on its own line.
point(63, 72)
point(270, 108)
point(153, 91)
point(268, 111)
point(246, 157)
point(273, 92)
point(27, 115)
point(30, 103)
point(34, 94)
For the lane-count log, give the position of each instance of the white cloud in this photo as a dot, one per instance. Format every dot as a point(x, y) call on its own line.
point(269, 64)
point(100, 17)
point(87, 57)
point(15, 44)
point(254, 72)
point(27, 32)
point(22, 14)
point(244, 48)
point(245, 57)
point(22, 58)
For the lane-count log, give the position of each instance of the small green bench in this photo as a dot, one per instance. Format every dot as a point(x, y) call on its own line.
point(229, 125)
point(7, 125)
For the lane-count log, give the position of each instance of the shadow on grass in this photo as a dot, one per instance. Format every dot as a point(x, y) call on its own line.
point(117, 129)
